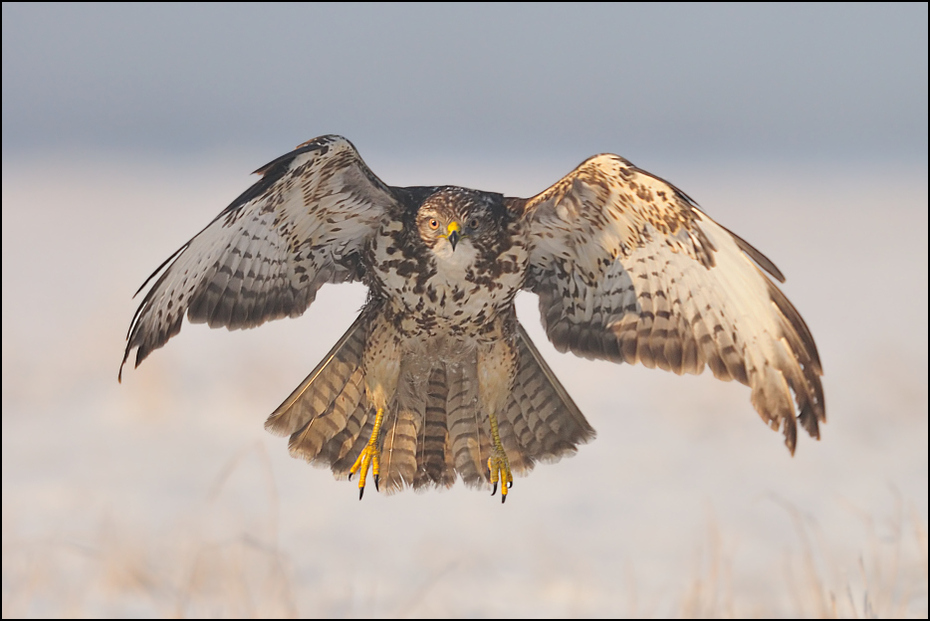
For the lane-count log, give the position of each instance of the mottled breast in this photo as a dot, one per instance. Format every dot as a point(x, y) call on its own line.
point(451, 265)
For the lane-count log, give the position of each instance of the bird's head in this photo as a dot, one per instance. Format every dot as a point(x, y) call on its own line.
point(455, 218)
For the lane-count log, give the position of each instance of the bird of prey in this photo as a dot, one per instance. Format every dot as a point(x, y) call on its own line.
point(437, 378)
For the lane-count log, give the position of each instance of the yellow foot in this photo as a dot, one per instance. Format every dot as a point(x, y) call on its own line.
point(499, 466)
point(370, 456)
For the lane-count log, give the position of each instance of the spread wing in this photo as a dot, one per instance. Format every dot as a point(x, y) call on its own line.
point(266, 255)
point(627, 268)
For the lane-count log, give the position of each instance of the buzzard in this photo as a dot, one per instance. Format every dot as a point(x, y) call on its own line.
point(437, 378)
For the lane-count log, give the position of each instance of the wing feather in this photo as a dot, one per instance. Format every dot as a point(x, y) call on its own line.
point(628, 268)
point(303, 224)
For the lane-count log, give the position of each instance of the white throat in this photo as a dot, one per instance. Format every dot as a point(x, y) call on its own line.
point(453, 264)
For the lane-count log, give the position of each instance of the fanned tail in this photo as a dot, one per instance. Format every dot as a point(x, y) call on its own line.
point(434, 428)
point(328, 414)
point(540, 422)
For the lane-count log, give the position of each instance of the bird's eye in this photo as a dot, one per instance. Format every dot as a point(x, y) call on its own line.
point(433, 223)
point(473, 223)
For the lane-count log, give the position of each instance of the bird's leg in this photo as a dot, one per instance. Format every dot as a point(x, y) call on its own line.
point(498, 463)
point(497, 367)
point(369, 456)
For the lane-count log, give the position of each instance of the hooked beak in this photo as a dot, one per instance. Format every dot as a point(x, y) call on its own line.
point(453, 234)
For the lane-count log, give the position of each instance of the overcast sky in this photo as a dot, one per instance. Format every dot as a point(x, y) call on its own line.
point(786, 81)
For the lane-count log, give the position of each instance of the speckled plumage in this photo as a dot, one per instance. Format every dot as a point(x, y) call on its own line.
point(627, 268)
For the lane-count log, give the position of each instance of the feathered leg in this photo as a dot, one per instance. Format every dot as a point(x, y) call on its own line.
point(381, 364)
point(497, 367)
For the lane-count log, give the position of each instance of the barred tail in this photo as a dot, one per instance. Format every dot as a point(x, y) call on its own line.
point(434, 428)
point(328, 414)
point(540, 422)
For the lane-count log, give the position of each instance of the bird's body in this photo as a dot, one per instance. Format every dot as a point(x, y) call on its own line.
point(436, 378)
point(433, 290)
point(439, 323)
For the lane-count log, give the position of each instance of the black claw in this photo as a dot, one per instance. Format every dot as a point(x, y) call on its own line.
point(503, 498)
point(361, 492)
point(494, 488)
point(350, 476)
point(509, 484)
point(376, 483)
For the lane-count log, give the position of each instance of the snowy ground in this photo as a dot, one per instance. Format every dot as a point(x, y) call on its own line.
point(164, 495)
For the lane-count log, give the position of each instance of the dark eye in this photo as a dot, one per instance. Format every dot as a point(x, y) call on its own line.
point(473, 223)
point(433, 223)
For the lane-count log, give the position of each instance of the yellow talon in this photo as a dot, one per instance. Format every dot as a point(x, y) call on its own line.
point(370, 455)
point(499, 466)
point(498, 463)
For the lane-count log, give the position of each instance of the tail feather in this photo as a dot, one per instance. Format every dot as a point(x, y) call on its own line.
point(328, 380)
point(309, 441)
point(349, 443)
point(341, 447)
point(432, 431)
point(468, 438)
point(399, 449)
point(547, 423)
point(434, 457)
point(327, 413)
point(524, 441)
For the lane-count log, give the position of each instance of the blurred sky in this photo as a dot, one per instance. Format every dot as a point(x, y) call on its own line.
point(774, 80)
point(127, 128)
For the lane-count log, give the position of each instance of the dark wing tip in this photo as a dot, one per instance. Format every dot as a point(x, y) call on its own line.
point(154, 321)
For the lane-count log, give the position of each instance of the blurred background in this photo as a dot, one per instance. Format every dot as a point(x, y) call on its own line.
point(127, 128)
